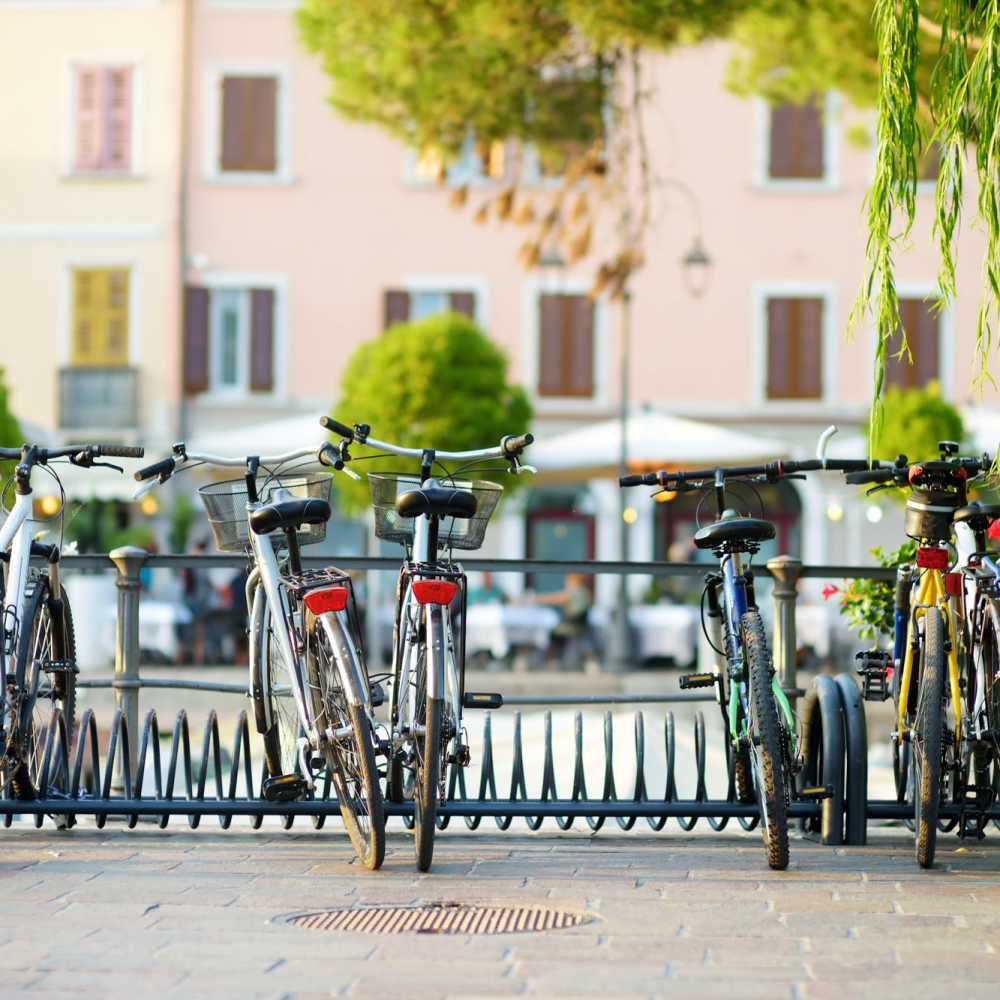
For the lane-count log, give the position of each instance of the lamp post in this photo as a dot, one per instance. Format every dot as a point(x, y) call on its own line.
point(695, 266)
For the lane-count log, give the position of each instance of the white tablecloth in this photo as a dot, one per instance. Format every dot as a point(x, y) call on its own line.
point(498, 628)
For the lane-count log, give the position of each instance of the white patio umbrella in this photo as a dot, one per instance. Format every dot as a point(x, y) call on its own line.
point(982, 427)
point(267, 437)
point(654, 439)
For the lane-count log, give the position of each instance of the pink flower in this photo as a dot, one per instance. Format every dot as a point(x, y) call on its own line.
point(829, 590)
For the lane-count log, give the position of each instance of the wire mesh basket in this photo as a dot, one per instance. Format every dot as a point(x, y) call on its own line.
point(226, 506)
point(453, 532)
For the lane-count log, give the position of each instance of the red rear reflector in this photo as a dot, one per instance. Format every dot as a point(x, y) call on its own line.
point(434, 591)
point(933, 558)
point(953, 584)
point(319, 602)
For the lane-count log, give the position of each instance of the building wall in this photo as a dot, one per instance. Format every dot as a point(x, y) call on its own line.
point(52, 219)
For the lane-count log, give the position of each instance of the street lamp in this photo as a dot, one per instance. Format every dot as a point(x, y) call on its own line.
point(695, 266)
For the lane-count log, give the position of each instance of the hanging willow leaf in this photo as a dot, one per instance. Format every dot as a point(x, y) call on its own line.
point(579, 245)
point(525, 212)
point(504, 202)
point(459, 196)
point(482, 213)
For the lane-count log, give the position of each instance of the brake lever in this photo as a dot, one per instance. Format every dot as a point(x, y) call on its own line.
point(878, 488)
point(106, 465)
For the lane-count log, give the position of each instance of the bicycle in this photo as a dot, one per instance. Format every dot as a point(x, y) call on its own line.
point(941, 671)
point(426, 514)
point(762, 729)
point(312, 699)
point(38, 661)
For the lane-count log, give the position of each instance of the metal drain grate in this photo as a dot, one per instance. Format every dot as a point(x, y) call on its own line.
point(440, 918)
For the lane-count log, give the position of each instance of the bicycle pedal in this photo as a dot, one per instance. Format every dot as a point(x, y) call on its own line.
point(688, 681)
point(482, 699)
point(816, 793)
point(377, 693)
point(284, 787)
point(60, 667)
point(875, 668)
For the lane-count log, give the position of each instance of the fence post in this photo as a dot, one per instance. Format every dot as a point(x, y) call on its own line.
point(128, 561)
point(786, 572)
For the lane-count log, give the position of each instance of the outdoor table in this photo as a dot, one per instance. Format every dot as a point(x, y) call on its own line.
point(498, 628)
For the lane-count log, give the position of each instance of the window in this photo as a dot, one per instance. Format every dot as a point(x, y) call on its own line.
point(401, 306)
point(565, 345)
point(229, 340)
point(99, 337)
point(794, 348)
point(929, 165)
point(923, 333)
point(478, 162)
point(103, 119)
point(249, 132)
point(796, 142)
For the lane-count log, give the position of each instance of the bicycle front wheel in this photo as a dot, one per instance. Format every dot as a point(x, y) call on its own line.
point(349, 750)
point(766, 735)
point(427, 742)
point(45, 673)
point(928, 735)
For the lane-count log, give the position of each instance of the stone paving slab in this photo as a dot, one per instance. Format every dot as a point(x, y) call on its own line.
point(185, 913)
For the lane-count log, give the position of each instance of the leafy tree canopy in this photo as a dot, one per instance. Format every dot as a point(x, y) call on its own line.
point(438, 382)
point(564, 76)
point(915, 421)
point(10, 429)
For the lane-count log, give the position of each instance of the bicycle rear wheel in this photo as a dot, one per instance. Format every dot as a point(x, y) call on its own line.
point(44, 671)
point(766, 751)
point(427, 742)
point(349, 750)
point(928, 734)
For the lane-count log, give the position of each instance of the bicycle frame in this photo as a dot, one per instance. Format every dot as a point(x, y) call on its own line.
point(15, 534)
point(931, 592)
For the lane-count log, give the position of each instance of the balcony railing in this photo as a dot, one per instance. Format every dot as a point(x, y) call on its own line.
point(104, 398)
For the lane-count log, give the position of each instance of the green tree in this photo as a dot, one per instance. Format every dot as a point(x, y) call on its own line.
point(565, 76)
point(10, 429)
point(437, 382)
point(915, 421)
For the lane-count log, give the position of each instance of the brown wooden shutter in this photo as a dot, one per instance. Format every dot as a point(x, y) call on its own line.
point(396, 307)
point(195, 340)
point(249, 124)
point(580, 361)
point(550, 345)
point(463, 302)
point(796, 141)
point(261, 340)
point(794, 348)
point(923, 333)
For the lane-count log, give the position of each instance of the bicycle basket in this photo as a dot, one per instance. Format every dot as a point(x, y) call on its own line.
point(453, 532)
point(226, 506)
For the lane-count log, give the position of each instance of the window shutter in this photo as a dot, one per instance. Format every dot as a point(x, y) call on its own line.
point(88, 99)
point(195, 340)
point(235, 102)
point(779, 348)
point(264, 121)
point(117, 123)
point(580, 361)
point(781, 153)
point(396, 307)
point(810, 122)
point(923, 333)
point(261, 340)
point(463, 302)
point(809, 366)
point(550, 345)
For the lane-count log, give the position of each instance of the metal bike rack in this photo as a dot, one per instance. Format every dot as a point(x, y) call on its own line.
point(78, 780)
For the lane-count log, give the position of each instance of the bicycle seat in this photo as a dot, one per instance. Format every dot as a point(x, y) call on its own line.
point(733, 529)
point(439, 500)
point(977, 515)
point(287, 514)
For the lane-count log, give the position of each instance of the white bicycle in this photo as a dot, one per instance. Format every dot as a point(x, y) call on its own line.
point(312, 699)
point(38, 662)
point(427, 514)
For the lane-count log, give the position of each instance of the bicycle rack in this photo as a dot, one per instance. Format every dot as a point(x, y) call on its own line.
point(835, 755)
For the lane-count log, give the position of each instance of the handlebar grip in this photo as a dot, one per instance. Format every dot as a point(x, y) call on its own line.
point(643, 479)
point(515, 445)
point(165, 467)
point(849, 465)
point(859, 478)
point(338, 428)
point(119, 451)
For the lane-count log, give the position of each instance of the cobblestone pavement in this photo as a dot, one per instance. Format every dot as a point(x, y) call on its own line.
point(176, 912)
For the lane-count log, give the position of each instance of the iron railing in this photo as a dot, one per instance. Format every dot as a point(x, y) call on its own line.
point(73, 781)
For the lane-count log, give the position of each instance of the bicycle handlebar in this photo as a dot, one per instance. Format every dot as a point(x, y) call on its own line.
point(81, 452)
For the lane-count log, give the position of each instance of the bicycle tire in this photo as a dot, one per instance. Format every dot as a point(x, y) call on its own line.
point(927, 738)
point(765, 742)
point(349, 757)
point(281, 739)
point(43, 692)
point(427, 762)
